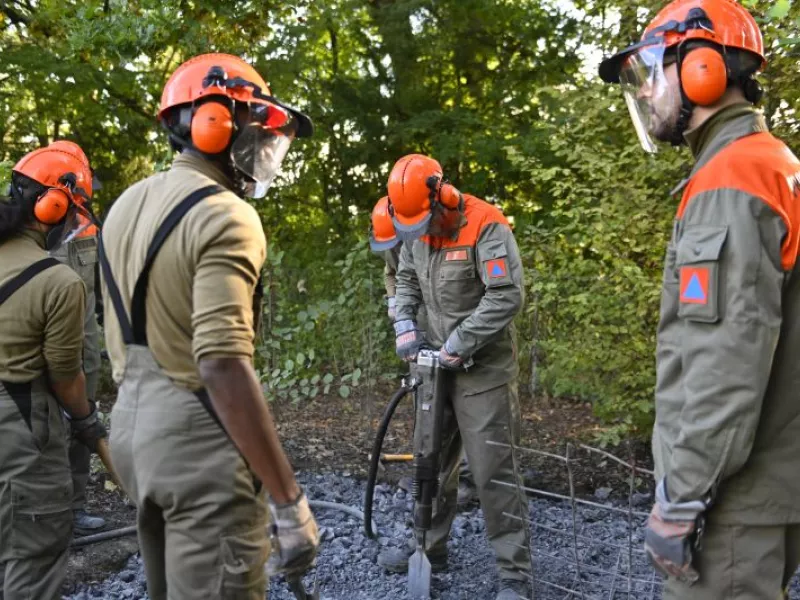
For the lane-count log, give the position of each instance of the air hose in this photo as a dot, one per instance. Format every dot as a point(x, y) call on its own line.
point(377, 448)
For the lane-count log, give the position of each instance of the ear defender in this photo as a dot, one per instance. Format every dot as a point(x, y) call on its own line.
point(449, 196)
point(51, 207)
point(444, 193)
point(212, 128)
point(704, 76)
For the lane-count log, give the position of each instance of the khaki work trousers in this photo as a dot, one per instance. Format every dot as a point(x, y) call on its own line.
point(742, 562)
point(470, 421)
point(81, 256)
point(35, 493)
point(202, 526)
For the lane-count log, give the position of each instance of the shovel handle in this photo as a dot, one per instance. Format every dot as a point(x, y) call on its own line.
point(104, 453)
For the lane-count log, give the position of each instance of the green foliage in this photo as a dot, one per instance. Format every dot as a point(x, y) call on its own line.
point(324, 338)
point(5, 175)
point(502, 92)
point(594, 253)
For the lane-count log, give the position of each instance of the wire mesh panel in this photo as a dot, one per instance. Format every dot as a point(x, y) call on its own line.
point(581, 548)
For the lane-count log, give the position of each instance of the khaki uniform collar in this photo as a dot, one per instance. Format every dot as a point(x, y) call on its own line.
point(37, 237)
point(728, 125)
point(195, 162)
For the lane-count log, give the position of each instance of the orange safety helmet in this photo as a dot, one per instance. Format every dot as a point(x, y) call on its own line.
point(86, 181)
point(416, 187)
point(382, 236)
point(85, 177)
point(211, 126)
point(57, 170)
point(714, 28)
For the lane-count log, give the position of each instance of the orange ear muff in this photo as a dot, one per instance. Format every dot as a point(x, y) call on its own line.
point(449, 196)
point(704, 76)
point(51, 207)
point(212, 128)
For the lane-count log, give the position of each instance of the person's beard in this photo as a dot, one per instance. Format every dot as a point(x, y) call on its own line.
point(664, 125)
point(445, 223)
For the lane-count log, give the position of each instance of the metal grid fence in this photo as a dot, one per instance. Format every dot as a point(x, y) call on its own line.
point(590, 558)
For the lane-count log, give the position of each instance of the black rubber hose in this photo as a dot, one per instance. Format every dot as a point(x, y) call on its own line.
point(103, 536)
point(377, 448)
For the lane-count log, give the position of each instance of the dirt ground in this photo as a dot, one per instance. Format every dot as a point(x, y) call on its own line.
point(337, 435)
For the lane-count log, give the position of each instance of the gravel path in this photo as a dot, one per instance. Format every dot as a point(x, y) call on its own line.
point(347, 569)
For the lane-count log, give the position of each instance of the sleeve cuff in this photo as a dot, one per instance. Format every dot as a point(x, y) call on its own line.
point(677, 511)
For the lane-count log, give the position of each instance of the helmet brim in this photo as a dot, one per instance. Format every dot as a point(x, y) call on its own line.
point(412, 229)
point(381, 246)
point(611, 67)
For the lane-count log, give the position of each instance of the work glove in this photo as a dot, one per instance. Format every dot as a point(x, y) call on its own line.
point(409, 339)
point(670, 536)
point(392, 304)
point(449, 359)
point(294, 537)
point(90, 429)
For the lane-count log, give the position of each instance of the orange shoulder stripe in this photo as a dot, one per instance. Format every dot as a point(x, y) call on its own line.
point(762, 166)
point(479, 214)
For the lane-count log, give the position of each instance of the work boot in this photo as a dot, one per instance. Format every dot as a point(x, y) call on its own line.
point(467, 494)
point(395, 560)
point(514, 589)
point(86, 524)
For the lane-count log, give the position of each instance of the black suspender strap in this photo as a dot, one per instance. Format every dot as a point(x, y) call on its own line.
point(134, 331)
point(21, 392)
point(113, 291)
point(29, 273)
point(138, 313)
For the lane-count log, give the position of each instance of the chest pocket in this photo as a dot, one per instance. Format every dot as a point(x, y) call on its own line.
point(698, 257)
point(84, 261)
point(457, 280)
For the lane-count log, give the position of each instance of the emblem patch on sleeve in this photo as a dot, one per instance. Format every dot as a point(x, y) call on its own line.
point(496, 268)
point(694, 285)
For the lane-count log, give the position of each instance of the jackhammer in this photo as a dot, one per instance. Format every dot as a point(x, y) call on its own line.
point(429, 383)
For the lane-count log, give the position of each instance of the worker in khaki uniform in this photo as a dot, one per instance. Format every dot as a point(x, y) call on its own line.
point(461, 262)
point(41, 317)
point(726, 522)
point(192, 435)
point(384, 241)
point(81, 255)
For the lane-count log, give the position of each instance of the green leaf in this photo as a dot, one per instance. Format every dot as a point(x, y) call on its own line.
point(344, 391)
point(301, 358)
point(315, 380)
point(779, 9)
point(326, 390)
point(327, 379)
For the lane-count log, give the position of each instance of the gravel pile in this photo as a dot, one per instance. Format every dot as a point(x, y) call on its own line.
point(347, 565)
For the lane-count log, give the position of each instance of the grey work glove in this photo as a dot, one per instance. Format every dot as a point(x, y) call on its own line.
point(89, 430)
point(392, 304)
point(670, 536)
point(294, 537)
point(409, 339)
point(449, 359)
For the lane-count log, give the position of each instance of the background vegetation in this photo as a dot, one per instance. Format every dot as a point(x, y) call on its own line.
point(503, 92)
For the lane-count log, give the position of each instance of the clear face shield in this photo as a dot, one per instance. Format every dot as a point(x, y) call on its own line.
point(261, 146)
point(79, 222)
point(654, 105)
